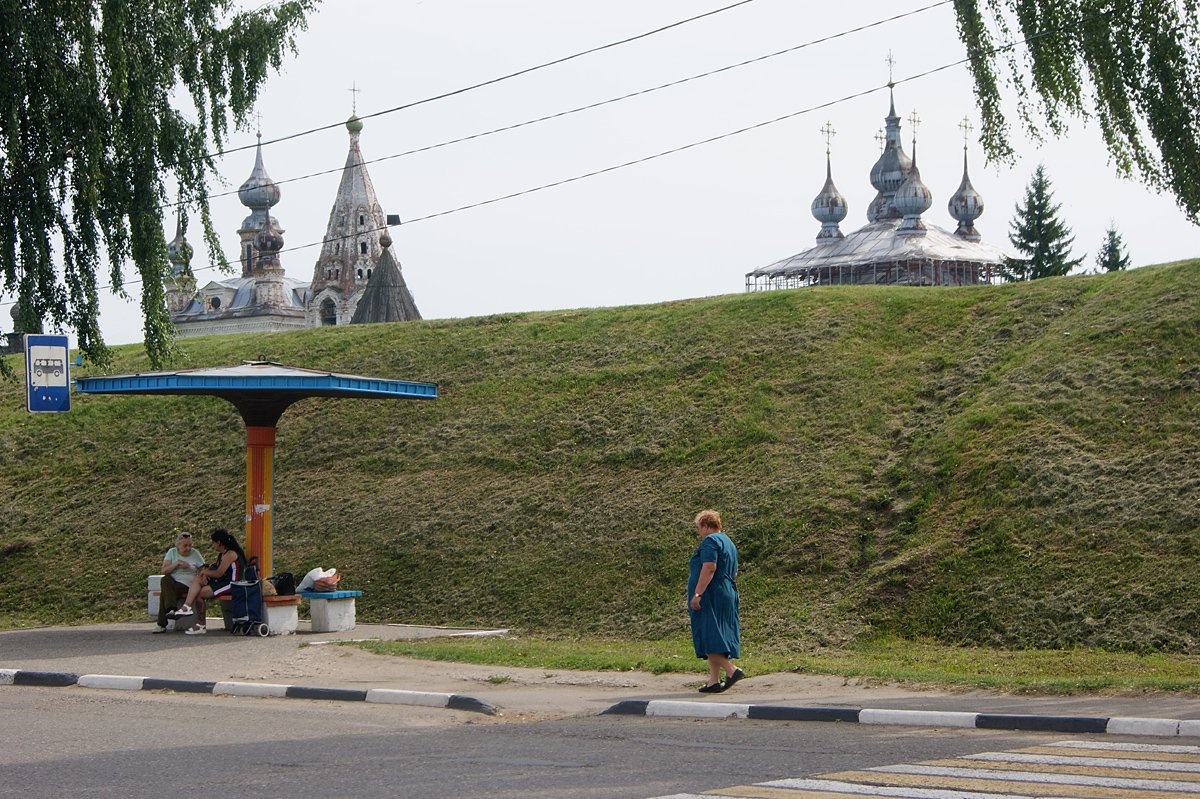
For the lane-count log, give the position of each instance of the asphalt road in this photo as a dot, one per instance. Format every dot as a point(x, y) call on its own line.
point(83, 743)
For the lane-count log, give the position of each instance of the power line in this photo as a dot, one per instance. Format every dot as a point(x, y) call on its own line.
point(594, 173)
point(655, 156)
point(597, 104)
point(489, 82)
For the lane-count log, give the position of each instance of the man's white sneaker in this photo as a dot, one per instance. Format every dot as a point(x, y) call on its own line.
point(158, 629)
point(195, 630)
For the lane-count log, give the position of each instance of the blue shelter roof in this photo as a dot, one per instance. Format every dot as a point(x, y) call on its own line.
point(260, 390)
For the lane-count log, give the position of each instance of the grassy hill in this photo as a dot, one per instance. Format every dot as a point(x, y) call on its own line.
point(1009, 465)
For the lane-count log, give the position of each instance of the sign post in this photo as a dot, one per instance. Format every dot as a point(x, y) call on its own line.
point(47, 382)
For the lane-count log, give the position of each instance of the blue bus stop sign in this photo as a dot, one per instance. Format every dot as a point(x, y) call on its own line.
point(47, 384)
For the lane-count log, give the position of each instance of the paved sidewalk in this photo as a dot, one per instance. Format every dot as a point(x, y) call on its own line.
point(306, 660)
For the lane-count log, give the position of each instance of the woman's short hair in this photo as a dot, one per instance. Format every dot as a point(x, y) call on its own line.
point(708, 518)
point(182, 537)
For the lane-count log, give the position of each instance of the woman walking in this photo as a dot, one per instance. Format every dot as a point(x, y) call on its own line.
point(713, 603)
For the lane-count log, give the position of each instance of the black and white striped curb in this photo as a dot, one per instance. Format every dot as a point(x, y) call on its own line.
point(119, 682)
point(916, 718)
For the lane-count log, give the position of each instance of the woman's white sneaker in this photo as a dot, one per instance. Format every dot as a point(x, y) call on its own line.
point(195, 630)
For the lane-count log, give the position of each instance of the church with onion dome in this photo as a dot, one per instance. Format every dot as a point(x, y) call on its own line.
point(898, 246)
point(356, 278)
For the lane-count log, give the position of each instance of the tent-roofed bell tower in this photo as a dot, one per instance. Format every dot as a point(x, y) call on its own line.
point(351, 247)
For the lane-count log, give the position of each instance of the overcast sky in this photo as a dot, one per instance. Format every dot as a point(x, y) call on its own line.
point(685, 225)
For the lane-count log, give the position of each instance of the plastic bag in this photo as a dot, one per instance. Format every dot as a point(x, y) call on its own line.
point(313, 575)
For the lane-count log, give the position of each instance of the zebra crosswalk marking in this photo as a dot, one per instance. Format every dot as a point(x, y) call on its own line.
point(1135, 783)
point(1123, 747)
point(1001, 765)
point(1063, 770)
point(1105, 762)
point(1095, 750)
point(828, 789)
point(998, 784)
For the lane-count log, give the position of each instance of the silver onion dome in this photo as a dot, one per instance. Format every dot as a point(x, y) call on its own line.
point(912, 199)
point(268, 241)
point(966, 205)
point(259, 191)
point(179, 252)
point(829, 207)
point(890, 170)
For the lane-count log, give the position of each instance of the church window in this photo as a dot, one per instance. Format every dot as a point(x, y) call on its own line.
point(362, 219)
point(328, 312)
point(215, 303)
point(368, 274)
point(360, 274)
point(337, 273)
point(338, 250)
point(249, 253)
point(363, 247)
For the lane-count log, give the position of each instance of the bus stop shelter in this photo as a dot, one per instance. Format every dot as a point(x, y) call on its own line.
point(261, 391)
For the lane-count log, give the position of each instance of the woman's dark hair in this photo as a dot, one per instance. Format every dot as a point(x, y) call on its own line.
point(228, 541)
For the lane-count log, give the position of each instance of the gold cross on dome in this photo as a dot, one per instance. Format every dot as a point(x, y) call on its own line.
point(354, 92)
point(915, 121)
point(828, 132)
point(967, 129)
point(880, 138)
point(891, 62)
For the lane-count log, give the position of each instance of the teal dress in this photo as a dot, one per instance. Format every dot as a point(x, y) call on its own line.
point(715, 627)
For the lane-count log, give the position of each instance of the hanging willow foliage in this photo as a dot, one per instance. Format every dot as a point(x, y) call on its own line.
point(89, 139)
point(1131, 65)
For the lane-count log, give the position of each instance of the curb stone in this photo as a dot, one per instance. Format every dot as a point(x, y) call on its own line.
point(1165, 728)
point(121, 682)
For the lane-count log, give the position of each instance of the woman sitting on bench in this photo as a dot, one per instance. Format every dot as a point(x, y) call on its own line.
point(213, 581)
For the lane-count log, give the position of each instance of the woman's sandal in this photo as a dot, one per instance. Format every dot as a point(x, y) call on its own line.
point(184, 610)
point(715, 688)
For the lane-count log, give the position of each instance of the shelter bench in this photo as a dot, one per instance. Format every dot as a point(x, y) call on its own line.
point(331, 611)
point(282, 611)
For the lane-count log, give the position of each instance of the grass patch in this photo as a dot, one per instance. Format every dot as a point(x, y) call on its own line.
point(1007, 467)
point(923, 664)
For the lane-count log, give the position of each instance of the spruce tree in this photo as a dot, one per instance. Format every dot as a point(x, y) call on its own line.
point(1037, 233)
point(1112, 256)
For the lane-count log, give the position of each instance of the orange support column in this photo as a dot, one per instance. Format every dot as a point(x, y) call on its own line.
point(260, 452)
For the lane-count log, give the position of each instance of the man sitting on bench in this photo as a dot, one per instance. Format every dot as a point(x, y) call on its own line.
point(179, 568)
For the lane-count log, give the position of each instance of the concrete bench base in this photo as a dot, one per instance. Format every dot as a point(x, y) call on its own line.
point(331, 611)
point(283, 614)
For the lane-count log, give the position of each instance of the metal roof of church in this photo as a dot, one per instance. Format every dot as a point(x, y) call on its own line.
point(878, 243)
point(386, 297)
point(245, 301)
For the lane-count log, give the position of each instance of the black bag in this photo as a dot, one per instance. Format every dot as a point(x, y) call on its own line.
point(285, 583)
